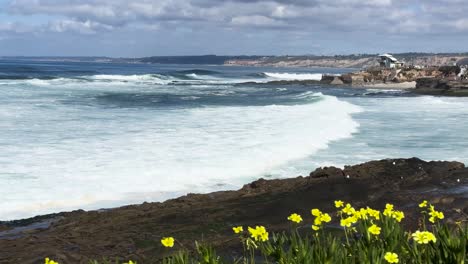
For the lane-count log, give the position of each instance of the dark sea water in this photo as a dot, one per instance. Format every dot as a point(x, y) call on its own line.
point(90, 135)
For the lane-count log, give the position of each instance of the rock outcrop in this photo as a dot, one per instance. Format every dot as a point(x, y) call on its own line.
point(133, 232)
point(444, 80)
point(440, 86)
point(377, 75)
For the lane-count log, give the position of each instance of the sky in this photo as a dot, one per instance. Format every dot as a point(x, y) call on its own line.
point(138, 28)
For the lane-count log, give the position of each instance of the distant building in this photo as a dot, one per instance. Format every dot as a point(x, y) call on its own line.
point(463, 64)
point(388, 61)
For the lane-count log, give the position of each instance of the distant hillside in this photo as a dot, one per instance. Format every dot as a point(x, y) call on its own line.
point(336, 61)
point(350, 61)
point(340, 61)
point(204, 59)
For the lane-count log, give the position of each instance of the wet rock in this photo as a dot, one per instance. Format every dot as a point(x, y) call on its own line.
point(331, 79)
point(327, 172)
point(440, 86)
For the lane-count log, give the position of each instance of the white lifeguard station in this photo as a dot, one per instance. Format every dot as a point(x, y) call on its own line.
point(390, 62)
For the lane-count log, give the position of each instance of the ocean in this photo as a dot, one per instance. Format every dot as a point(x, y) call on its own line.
point(77, 135)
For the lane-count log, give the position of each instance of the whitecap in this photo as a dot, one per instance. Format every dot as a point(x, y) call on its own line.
point(294, 76)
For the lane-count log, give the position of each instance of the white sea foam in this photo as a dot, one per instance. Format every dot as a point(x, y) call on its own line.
point(156, 78)
point(151, 79)
point(38, 82)
point(295, 76)
point(118, 156)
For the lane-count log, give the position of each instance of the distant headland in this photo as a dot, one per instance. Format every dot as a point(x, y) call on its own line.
point(335, 61)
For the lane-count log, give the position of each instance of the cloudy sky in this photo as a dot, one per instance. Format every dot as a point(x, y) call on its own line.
point(133, 28)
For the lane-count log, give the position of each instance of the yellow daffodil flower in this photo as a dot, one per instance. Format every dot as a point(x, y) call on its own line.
point(362, 214)
point(167, 241)
point(348, 209)
point(388, 210)
point(339, 204)
point(49, 261)
point(347, 222)
point(295, 218)
point(317, 221)
point(398, 215)
point(315, 212)
point(238, 229)
point(258, 233)
point(423, 204)
point(391, 257)
point(423, 237)
point(435, 214)
point(373, 213)
point(374, 229)
point(315, 228)
point(320, 217)
point(325, 218)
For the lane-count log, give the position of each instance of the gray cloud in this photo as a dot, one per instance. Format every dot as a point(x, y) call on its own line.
point(305, 21)
point(386, 15)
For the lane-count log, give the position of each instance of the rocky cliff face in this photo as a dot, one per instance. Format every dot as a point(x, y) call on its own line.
point(351, 61)
point(133, 232)
point(376, 75)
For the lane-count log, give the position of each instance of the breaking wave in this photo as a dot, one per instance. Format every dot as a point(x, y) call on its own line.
point(294, 76)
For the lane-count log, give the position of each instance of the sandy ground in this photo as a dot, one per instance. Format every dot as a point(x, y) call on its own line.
point(404, 85)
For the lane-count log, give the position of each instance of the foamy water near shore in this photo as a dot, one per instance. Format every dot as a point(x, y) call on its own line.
point(104, 135)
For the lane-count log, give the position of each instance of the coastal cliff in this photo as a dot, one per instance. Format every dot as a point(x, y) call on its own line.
point(133, 232)
point(346, 61)
point(377, 75)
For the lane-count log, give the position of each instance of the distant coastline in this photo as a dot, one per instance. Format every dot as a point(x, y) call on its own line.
point(334, 61)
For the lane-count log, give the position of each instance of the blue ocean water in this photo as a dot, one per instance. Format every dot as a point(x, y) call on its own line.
point(91, 135)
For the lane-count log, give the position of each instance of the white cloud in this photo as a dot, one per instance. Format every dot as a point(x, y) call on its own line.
point(255, 20)
point(15, 28)
point(86, 27)
point(462, 24)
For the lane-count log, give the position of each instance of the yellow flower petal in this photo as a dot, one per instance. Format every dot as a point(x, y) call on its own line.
point(295, 218)
point(391, 257)
point(339, 204)
point(374, 229)
point(167, 241)
point(238, 229)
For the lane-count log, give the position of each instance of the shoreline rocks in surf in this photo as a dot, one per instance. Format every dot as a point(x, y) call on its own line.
point(378, 75)
point(440, 86)
point(444, 80)
point(134, 231)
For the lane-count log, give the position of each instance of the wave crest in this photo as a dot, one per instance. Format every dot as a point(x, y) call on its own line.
point(294, 76)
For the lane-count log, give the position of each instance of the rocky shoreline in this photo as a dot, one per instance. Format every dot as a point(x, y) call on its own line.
point(444, 80)
point(345, 61)
point(133, 232)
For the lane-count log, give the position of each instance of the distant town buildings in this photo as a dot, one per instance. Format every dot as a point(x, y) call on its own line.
point(463, 64)
point(388, 61)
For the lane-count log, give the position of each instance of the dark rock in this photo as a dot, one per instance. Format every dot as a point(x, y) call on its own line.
point(354, 78)
point(327, 172)
point(331, 79)
point(440, 86)
point(133, 232)
point(450, 70)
